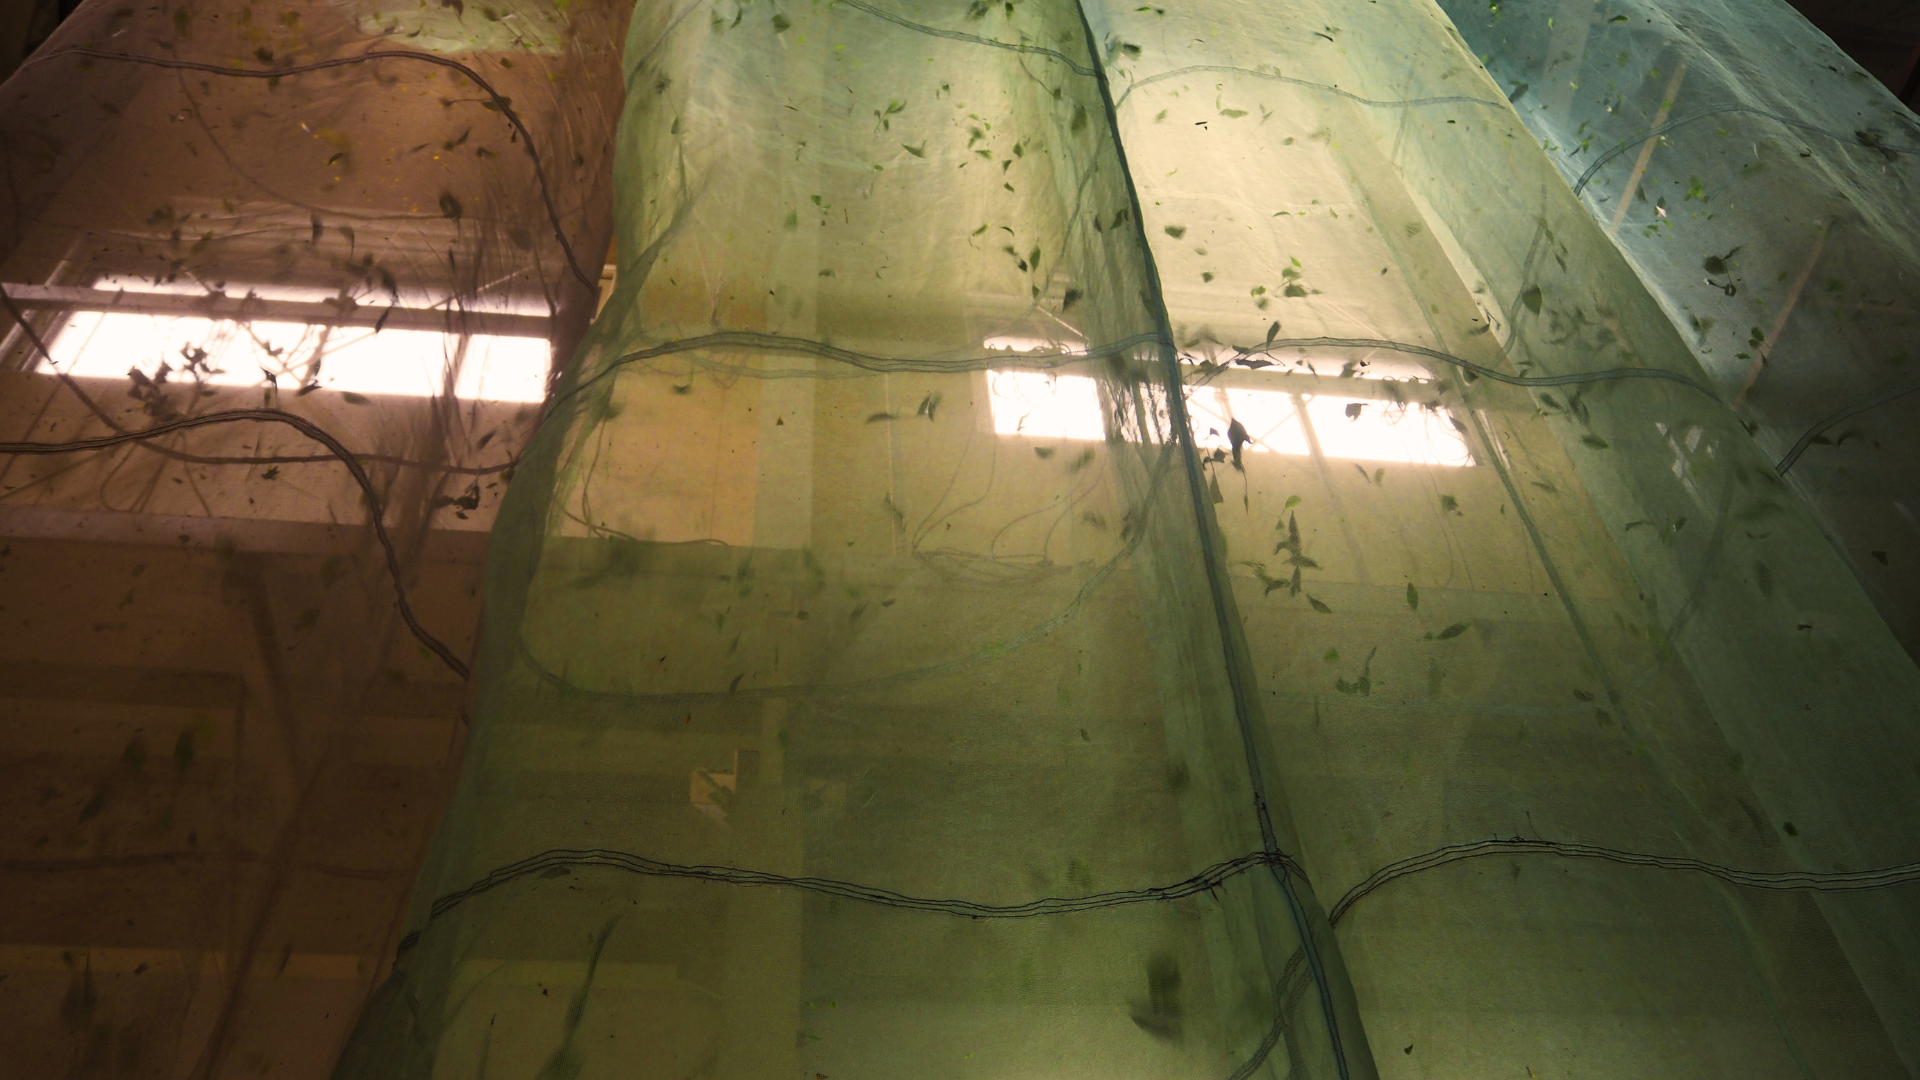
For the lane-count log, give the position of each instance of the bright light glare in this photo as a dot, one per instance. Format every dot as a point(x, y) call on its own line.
point(1268, 416)
point(1044, 406)
point(1385, 431)
point(1040, 405)
point(404, 362)
point(1007, 343)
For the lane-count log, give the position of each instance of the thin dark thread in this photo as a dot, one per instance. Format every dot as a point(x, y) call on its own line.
point(1654, 133)
point(1206, 880)
point(1211, 562)
point(1480, 370)
point(499, 102)
point(746, 339)
point(780, 343)
point(1210, 878)
point(1033, 633)
point(1457, 99)
point(975, 39)
point(375, 512)
point(1788, 881)
point(1839, 416)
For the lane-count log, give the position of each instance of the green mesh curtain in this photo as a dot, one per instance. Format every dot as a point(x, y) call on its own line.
point(859, 690)
point(1121, 541)
point(1763, 186)
point(273, 273)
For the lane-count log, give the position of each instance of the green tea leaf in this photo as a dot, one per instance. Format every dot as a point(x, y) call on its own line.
point(1450, 632)
point(1292, 501)
point(1318, 606)
point(1596, 442)
point(1413, 597)
point(1531, 298)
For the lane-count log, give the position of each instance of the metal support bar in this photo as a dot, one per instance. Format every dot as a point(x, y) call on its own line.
point(333, 312)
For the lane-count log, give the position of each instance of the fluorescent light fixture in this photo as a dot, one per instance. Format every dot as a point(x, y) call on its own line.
point(1268, 416)
point(1044, 406)
point(1385, 431)
point(1011, 343)
point(1047, 406)
point(410, 363)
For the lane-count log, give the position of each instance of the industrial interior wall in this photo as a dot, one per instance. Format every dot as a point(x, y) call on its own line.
point(1767, 191)
point(273, 272)
point(1140, 542)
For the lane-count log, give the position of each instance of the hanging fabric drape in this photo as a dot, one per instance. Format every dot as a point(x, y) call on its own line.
point(1763, 187)
point(287, 277)
point(1705, 674)
point(886, 671)
point(859, 606)
point(1083, 539)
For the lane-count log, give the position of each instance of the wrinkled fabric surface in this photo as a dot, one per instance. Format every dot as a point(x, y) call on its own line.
point(887, 671)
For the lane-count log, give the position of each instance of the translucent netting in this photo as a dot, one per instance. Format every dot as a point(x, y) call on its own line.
point(1617, 627)
point(863, 565)
point(1120, 541)
point(882, 677)
point(267, 267)
point(1765, 188)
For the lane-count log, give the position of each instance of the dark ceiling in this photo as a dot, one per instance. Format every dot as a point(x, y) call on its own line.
point(1882, 35)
